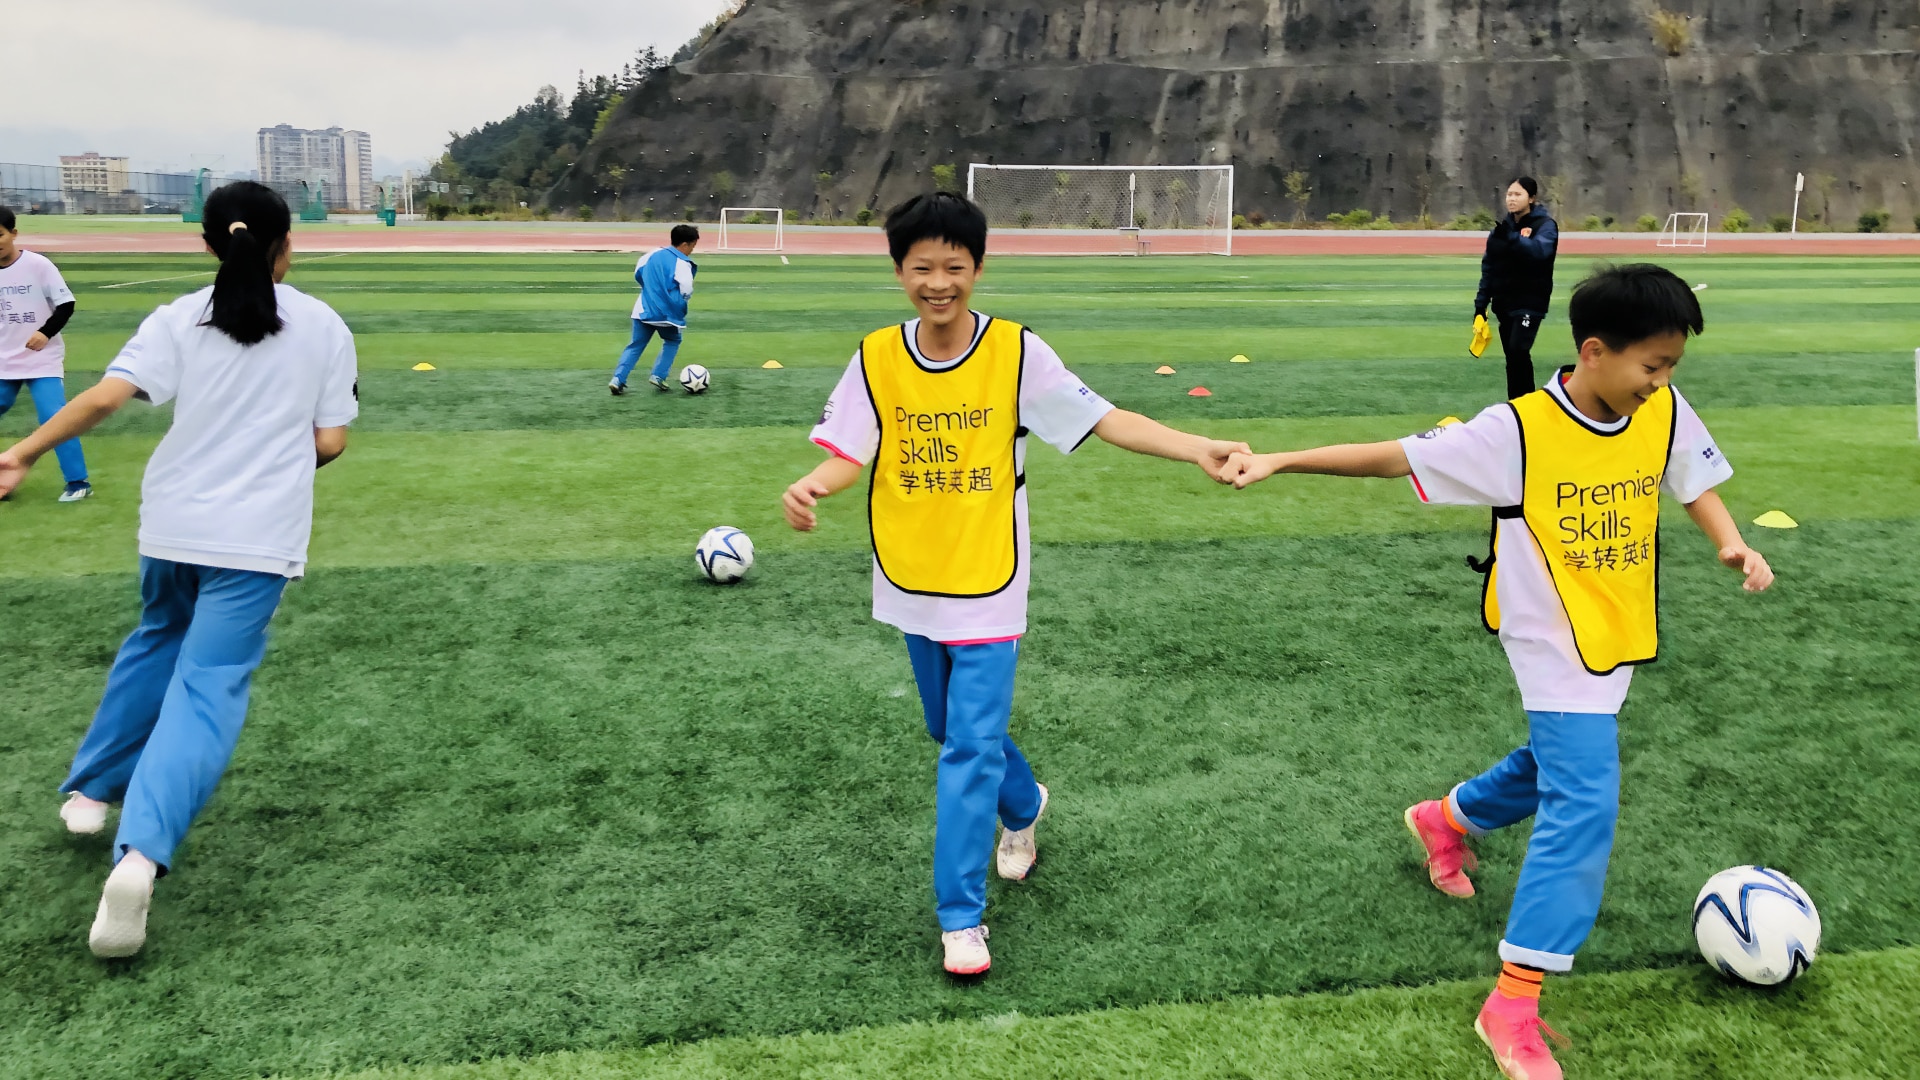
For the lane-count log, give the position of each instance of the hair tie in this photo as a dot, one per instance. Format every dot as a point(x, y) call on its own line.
point(236, 227)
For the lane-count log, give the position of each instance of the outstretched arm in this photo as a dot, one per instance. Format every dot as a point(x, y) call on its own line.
point(1382, 459)
point(830, 477)
point(1144, 435)
point(1711, 515)
point(81, 415)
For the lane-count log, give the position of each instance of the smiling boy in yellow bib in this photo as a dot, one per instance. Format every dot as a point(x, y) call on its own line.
point(940, 407)
point(1574, 473)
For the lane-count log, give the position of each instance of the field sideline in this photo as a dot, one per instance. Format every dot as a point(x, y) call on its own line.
point(522, 797)
point(76, 234)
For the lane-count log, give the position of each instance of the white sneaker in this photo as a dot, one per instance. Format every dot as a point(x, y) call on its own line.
point(967, 951)
point(120, 927)
point(83, 816)
point(1017, 854)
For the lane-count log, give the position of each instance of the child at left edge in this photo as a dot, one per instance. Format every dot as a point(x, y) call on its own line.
point(666, 277)
point(940, 406)
point(35, 305)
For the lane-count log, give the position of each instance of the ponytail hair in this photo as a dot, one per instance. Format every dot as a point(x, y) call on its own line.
point(246, 225)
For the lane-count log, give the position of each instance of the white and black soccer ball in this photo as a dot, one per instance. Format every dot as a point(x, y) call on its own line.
point(694, 379)
point(1756, 925)
point(725, 554)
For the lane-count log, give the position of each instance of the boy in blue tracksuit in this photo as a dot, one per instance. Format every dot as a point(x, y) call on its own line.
point(666, 284)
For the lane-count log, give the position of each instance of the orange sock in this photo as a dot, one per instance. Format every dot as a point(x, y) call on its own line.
point(1446, 811)
point(1520, 981)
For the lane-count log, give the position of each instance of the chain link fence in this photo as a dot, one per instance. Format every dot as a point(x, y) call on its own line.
point(41, 189)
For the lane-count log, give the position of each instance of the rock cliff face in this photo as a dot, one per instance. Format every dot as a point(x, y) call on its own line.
point(1395, 106)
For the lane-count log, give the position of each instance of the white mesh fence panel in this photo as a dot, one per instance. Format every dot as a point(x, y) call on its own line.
point(1112, 209)
point(752, 228)
point(1684, 231)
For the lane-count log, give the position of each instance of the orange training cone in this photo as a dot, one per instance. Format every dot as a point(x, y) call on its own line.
point(1199, 391)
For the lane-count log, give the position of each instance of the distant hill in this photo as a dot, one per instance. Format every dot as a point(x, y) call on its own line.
point(1399, 108)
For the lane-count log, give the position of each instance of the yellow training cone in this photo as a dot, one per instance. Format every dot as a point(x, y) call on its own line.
point(423, 367)
point(1775, 519)
point(1239, 358)
point(773, 365)
point(1163, 370)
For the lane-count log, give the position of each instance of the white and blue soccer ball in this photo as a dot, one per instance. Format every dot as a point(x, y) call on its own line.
point(1756, 925)
point(694, 379)
point(725, 554)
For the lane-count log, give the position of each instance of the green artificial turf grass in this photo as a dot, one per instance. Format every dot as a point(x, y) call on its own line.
point(408, 807)
point(509, 810)
point(427, 498)
point(559, 310)
point(1849, 1018)
point(462, 399)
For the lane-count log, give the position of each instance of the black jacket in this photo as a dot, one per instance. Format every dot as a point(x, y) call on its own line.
point(1516, 273)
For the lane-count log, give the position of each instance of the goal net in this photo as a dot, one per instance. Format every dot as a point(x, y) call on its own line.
point(1112, 209)
point(752, 228)
point(1684, 231)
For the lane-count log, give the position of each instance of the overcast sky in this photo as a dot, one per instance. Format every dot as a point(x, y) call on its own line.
point(173, 83)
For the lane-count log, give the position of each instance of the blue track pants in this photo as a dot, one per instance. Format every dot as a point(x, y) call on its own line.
point(642, 334)
point(49, 395)
point(967, 692)
point(1567, 778)
point(175, 700)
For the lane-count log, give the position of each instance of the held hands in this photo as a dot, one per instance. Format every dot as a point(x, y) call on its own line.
point(1742, 558)
point(1249, 469)
point(1217, 458)
point(36, 341)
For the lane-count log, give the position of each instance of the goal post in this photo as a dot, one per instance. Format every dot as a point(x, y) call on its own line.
point(753, 228)
point(1112, 209)
point(1684, 231)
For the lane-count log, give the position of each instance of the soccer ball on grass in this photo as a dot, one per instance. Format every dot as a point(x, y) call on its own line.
point(694, 379)
point(1756, 925)
point(724, 554)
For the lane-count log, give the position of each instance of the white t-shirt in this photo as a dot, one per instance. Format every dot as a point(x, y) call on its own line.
point(29, 291)
point(1478, 463)
point(1054, 404)
point(231, 484)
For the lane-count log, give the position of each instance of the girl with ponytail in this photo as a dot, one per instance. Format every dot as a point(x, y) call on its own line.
point(263, 382)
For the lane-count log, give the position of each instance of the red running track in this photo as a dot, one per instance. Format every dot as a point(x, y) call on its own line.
point(514, 238)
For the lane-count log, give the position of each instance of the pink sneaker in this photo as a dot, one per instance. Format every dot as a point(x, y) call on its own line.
point(1448, 857)
point(1511, 1028)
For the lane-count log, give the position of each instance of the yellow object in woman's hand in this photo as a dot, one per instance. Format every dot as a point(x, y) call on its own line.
point(1482, 336)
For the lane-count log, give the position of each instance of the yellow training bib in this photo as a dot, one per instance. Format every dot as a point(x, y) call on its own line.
point(1591, 501)
point(941, 504)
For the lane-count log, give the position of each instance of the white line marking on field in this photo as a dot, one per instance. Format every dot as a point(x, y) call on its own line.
point(210, 273)
point(150, 281)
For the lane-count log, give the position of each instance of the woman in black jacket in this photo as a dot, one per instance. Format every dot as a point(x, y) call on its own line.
point(1516, 277)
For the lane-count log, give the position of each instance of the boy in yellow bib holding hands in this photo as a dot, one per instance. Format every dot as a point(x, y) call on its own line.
point(940, 407)
point(1573, 473)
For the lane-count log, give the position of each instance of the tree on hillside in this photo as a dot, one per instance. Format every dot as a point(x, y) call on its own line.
point(517, 159)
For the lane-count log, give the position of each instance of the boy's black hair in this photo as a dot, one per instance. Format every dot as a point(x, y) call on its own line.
point(938, 215)
point(1622, 305)
point(683, 234)
point(6, 218)
point(1529, 185)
